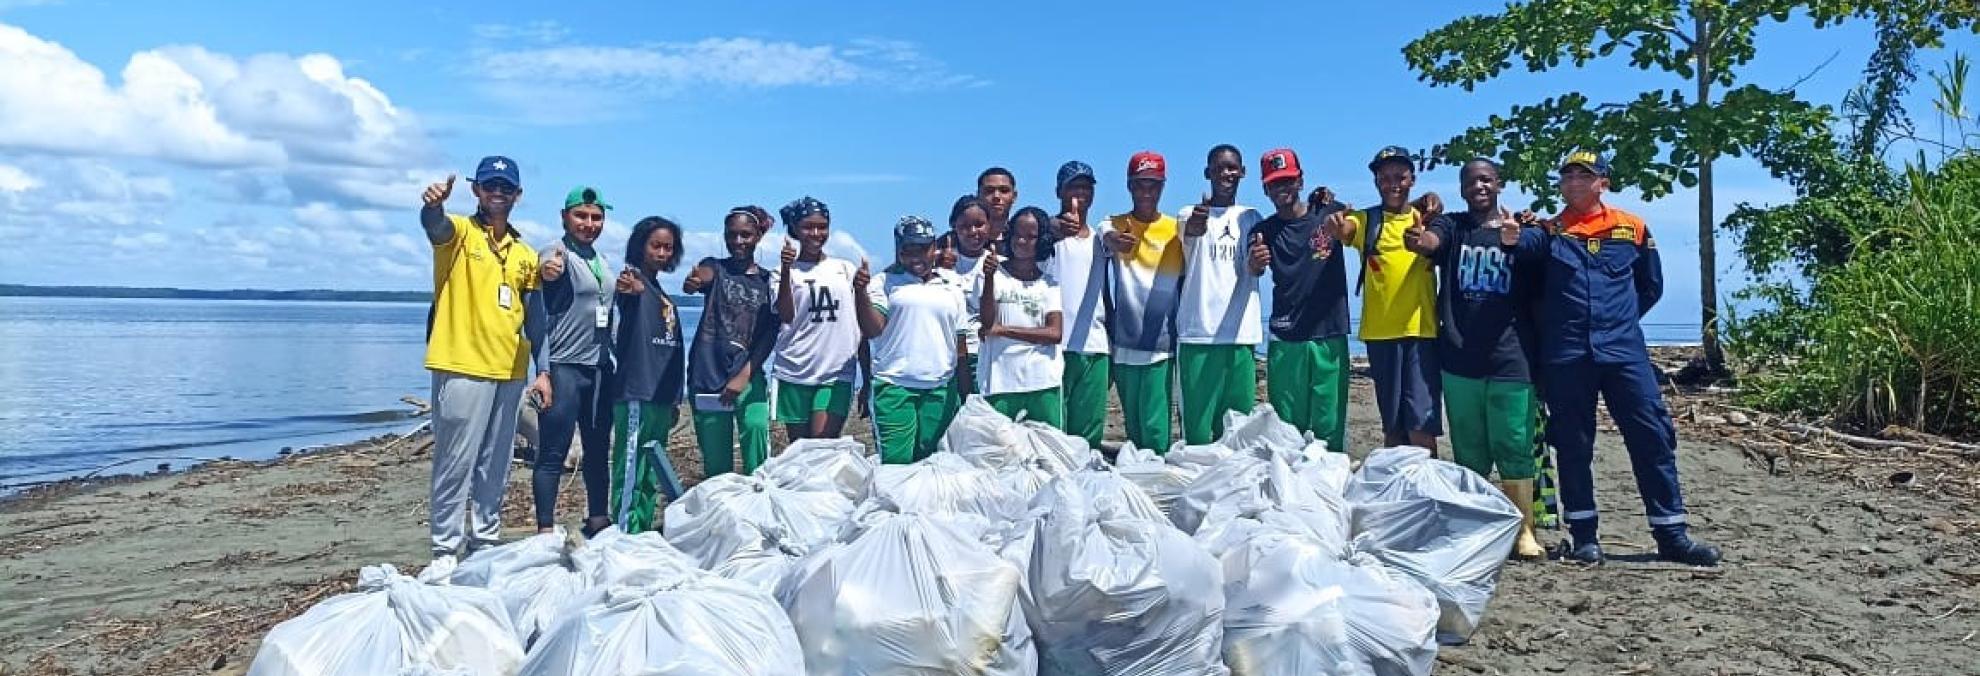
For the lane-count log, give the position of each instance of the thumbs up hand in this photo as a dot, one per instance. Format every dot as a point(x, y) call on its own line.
point(553, 266)
point(437, 193)
point(1199, 218)
point(990, 262)
point(789, 255)
point(863, 276)
point(1419, 239)
point(630, 282)
point(1508, 228)
point(1261, 255)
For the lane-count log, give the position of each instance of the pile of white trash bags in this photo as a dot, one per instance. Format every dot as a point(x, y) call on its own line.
point(1014, 551)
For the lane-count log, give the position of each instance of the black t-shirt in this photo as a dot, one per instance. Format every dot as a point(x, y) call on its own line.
point(1484, 306)
point(1309, 278)
point(738, 325)
point(651, 361)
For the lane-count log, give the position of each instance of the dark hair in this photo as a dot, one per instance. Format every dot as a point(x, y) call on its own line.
point(996, 171)
point(1494, 164)
point(1223, 148)
point(756, 215)
point(643, 232)
point(963, 204)
point(1047, 235)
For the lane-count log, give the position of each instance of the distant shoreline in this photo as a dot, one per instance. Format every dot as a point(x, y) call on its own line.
point(303, 295)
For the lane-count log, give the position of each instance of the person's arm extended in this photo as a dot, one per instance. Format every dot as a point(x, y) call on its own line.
point(872, 319)
point(433, 212)
point(536, 322)
point(1049, 334)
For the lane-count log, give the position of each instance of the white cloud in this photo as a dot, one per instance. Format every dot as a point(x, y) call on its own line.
point(534, 31)
point(15, 180)
point(190, 106)
point(541, 81)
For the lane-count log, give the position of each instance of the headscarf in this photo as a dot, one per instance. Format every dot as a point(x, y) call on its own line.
point(801, 208)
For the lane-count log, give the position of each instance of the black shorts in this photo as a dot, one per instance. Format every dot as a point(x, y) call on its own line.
point(1408, 385)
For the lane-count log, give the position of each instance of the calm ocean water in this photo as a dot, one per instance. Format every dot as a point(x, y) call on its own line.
point(86, 382)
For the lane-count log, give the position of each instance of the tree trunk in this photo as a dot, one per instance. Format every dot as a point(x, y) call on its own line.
point(1708, 268)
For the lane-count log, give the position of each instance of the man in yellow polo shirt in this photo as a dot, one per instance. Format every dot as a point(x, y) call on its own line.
point(1399, 304)
point(478, 341)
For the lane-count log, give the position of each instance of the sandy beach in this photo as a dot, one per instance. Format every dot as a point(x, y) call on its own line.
point(1839, 560)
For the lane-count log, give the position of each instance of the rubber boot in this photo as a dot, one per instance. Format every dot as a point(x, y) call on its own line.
point(1527, 547)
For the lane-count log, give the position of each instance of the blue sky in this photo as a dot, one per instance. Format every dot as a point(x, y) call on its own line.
point(283, 145)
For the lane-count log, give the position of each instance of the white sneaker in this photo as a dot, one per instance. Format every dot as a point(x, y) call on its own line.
point(440, 571)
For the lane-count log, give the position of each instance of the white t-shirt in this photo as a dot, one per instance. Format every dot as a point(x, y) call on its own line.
point(970, 271)
point(1219, 294)
point(918, 348)
point(821, 344)
point(1078, 265)
point(1009, 365)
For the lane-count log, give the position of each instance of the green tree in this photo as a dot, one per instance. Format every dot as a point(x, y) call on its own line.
point(1659, 138)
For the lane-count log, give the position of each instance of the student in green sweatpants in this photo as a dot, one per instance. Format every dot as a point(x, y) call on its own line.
point(1306, 364)
point(738, 326)
point(1488, 269)
point(1022, 324)
point(1078, 263)
point(648, 380)
point(1218, 322)
point(914, 322)
point(1146, 282)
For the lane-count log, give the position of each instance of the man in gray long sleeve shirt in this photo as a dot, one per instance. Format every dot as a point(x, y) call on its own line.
point(577, 355)
point(483, 322)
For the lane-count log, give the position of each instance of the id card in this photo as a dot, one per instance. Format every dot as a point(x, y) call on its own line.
point(711, 403)
point(505, 297)
point(603, 316)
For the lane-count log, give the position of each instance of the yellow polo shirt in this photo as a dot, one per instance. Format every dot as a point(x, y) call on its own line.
point(473, 331)
point(1400, 297)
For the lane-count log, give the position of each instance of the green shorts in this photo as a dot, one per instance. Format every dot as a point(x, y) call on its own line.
point(796, 403)
point(1217, 379)
point(1307, 382)
point(1491, 425)
point(1047, 406)
point(1086, 379)
point(908, 423)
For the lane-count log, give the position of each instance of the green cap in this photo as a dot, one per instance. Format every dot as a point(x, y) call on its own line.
point(585, 194)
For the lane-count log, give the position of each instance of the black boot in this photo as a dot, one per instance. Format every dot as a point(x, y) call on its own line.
point(1683, 549)
point(1586, 552)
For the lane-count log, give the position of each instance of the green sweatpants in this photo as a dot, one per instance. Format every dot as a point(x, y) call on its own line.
point(1216, 379)
point(1144, 390)
point(1307, 382)
point(908, 423)
point(1046, 406)
point(716, 431)
point(1084, 391)
point(636, 488)
point(1491, 423)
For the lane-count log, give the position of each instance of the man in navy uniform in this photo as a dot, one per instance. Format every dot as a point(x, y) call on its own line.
point(1602, 275)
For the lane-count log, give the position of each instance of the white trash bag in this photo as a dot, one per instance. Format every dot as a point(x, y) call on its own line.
point(1382, 465)
point(392, 623)
point(1295, 608)
point(729, 513)
point(1162, 480)
point(1448, 528)
point(909, 596)
point(535, 577)
point(612, 557)
point(946, 483)
point(692, 625)
point(1113, 592)
point(1261, 430)
point(841, 465)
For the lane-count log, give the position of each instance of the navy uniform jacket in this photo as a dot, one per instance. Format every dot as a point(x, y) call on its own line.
point(1603, 274)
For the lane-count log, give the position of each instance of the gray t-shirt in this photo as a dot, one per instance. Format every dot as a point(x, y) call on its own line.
point(572, 304)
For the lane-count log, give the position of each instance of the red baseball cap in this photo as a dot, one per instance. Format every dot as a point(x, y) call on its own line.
point(1279, 164)
point(1148, 164)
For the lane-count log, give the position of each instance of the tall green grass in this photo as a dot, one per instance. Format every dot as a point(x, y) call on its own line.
point(1892, 335)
